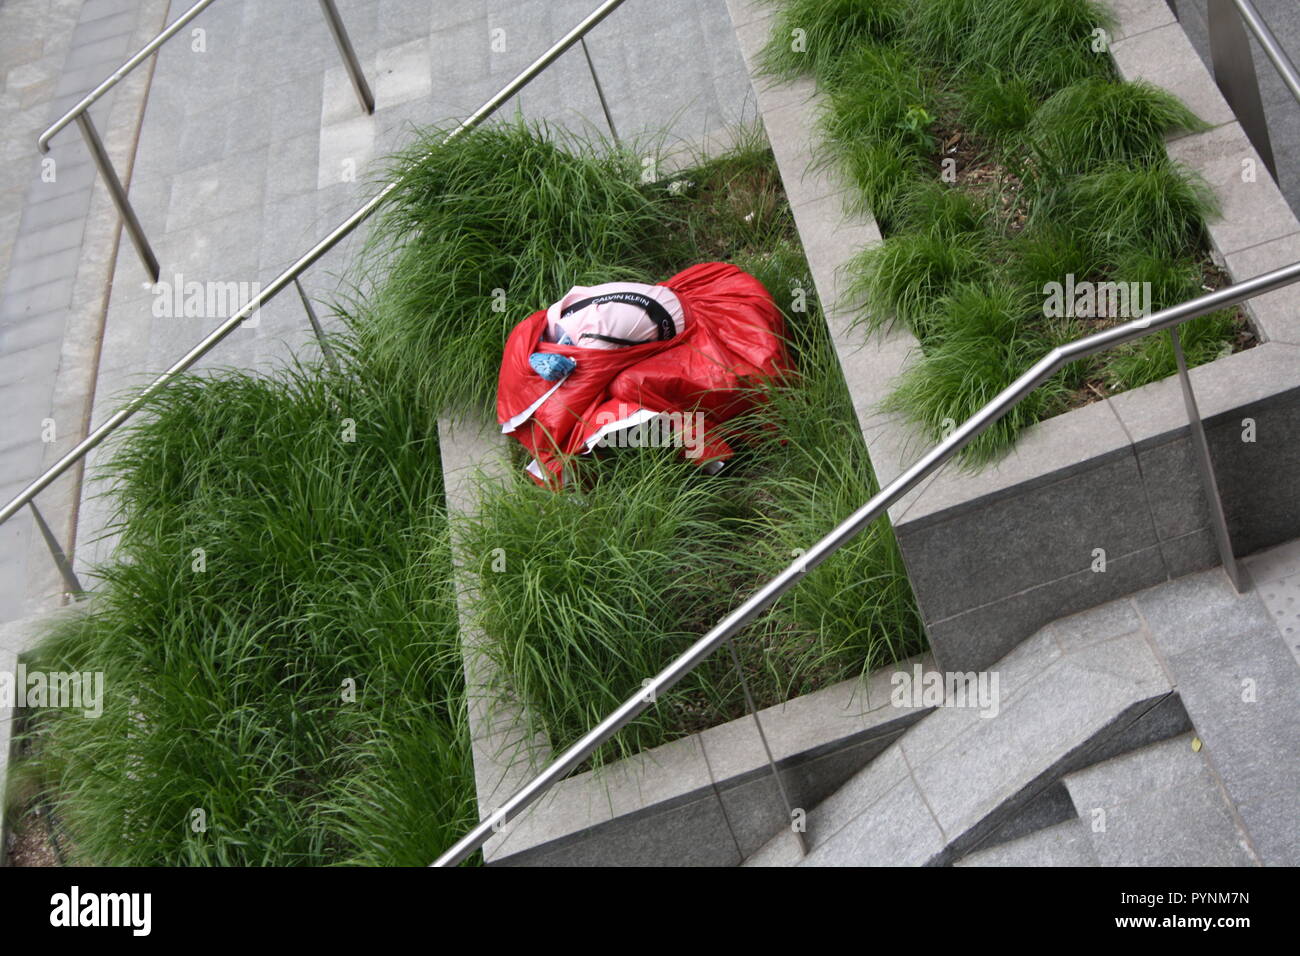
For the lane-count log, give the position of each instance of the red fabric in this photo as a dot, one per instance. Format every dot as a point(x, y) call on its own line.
point(734, 338)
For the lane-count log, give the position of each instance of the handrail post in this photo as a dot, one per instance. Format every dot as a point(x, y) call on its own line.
point(1205, 467)
point(600, 92)
point(771, 761)
point(341, 40)
point(118, 193)
point(56, 552)
point(316, 327)
point(1234, 71)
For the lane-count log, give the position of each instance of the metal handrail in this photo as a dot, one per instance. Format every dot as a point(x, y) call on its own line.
point(1234, 68)
point(290, 274)
point(1007, 399)
point(43, 141)
point(1272, 48)
point(81, 117)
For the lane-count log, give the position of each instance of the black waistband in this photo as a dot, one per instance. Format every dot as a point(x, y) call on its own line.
point(658, 314)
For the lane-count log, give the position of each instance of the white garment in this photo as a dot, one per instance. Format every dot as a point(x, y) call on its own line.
point(612, 315)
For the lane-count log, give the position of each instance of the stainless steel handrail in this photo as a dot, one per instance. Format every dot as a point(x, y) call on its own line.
point(43, 141)
point(290, 274)
point(1234, 68)
point(727, 628)
point(1272, 48)
point(79, 115)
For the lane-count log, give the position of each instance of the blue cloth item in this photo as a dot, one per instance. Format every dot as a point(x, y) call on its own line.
point(550, 366)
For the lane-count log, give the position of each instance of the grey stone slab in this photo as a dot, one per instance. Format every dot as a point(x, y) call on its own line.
point(1158, 806)
point(38, 272)
point(217, 189)
point(1197, 551)
point(1077, 441)
point(39, 299)
point(1259, 481)
point(658, 776)
point(1175, 491)
point(1224, 389)
point(1275, 563)
point(1008, 545)
point(1048, 808)
point(56, 210)
point(1276, 316)
point(1164, 57)
point(1068, 704)
point(1282, 598)
point(1138, 16)
point(99, 9)
point(1100, 623)
point(31, 331)
point(976, 638)
point(897, 830)
point(104, 28)
point(1279, 106)
point(57, 238)
point(782, 850)
point(857, 795)
point(1199, 609)
point(69, 177)
point(1253, 212)
point(1253, 745)
point(747, 11)
point(1065, 844)
point(1015, 672)
point(695, 835)
point(1239, 684)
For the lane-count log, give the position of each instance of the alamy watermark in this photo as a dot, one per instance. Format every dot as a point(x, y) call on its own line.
point(920, 688)
point(179, 299)
point(59, 689)
point(634, 427)
point(1096, 300)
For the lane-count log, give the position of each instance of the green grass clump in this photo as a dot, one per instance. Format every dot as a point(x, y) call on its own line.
point(324, 569)
point(997, 107)
point(905, 276)
point(480, 233)
point(602, 584)
point(1152, 358)
point(1047, 43)
point(811, 35)
point(1160, 208)
point(984, 342)
point(1048, 253)
point(1099, 121)
point(942, 211)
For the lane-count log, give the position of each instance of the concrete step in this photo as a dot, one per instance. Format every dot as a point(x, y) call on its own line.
point(1065, 844)
point(1161, 805)
point(1235, 672)
point(1078, 692)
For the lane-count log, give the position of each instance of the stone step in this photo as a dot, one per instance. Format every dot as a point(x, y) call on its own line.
point(1065, 844)
point(1240, 683)
point(1161, 805)
point(1078, 692)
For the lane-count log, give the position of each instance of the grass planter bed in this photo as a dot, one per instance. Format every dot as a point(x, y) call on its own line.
point(304, 688)
point(996, 553)
point(282, 672)
point(570, 599)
